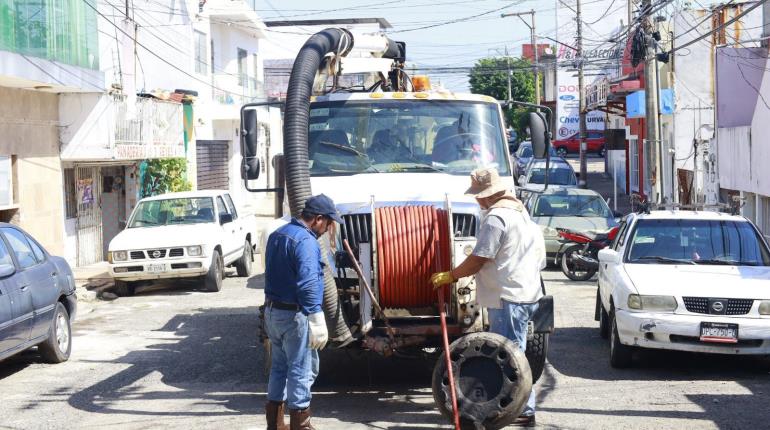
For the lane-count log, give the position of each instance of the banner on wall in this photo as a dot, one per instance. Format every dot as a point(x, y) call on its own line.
point(600, 23)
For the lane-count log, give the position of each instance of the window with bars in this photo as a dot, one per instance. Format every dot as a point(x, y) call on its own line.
point(70, 194)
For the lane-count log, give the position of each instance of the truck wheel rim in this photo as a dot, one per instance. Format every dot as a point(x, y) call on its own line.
point(62, 333)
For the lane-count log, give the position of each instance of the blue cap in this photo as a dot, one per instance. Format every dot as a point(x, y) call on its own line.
point(322, 205)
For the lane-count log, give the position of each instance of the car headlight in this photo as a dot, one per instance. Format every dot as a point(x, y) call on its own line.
point(194, 251)
point(119, 255)
point(764, 307)
point(652, 303)
point(550, 232)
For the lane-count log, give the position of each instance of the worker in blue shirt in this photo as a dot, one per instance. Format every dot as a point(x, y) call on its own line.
point(294, 320)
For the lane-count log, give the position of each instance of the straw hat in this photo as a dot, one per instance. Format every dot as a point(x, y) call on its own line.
point(485, 182)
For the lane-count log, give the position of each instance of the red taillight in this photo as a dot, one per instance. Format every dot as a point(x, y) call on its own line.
point(573, 237)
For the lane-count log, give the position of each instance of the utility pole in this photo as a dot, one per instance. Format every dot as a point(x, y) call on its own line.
point(583, 180)
point(652, 149)
point(510, 72)
point(533, 39)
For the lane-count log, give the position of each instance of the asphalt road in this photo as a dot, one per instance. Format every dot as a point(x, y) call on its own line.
point(177, 358)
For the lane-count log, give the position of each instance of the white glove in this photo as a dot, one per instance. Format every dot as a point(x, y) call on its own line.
point(317, 333)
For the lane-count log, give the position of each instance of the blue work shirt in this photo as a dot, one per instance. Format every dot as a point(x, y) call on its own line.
point(293, 267)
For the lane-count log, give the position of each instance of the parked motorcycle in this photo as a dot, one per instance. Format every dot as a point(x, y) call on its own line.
point(579, 252)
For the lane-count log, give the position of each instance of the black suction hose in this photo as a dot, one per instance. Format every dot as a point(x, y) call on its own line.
point(295, 146)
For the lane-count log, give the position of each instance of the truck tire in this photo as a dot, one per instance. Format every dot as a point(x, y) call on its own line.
point(537, 352)
point(57, 347)
point(620, 355)
point(492, 377)
point(125, 288)
point(212, 281)
point(243, 265)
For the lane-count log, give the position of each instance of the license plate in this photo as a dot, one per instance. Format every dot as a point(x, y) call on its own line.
point(156, 268)
point(718, 332)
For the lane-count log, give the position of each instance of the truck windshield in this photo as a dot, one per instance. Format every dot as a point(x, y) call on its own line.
point(711, 242)
point(385, 136)
point(153, 213)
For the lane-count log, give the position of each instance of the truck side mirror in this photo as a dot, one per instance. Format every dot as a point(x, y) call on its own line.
point(249, 133)
point(539, 135)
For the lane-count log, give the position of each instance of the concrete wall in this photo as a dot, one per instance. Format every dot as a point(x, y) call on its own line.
point(29, 131)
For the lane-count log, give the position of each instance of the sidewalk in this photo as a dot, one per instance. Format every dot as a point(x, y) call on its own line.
point(603, 184)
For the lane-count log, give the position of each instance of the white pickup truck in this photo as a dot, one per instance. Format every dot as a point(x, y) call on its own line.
point(183, 235)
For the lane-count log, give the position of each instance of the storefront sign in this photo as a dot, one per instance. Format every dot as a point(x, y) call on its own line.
point(599, 25)
point(144, 152)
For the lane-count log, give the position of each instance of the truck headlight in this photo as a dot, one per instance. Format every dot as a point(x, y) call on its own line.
point(652, 303)
point(119, 255)
point(764, 307)
point(194, 251)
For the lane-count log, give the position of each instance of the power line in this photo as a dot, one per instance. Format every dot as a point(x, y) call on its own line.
point(453, 21)
point(735, 18)
point(156, 55)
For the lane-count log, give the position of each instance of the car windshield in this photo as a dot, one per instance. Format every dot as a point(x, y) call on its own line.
point(456, 137)
point(571, 205)
point(153, 213)
point(697, 242)
point(558, 175)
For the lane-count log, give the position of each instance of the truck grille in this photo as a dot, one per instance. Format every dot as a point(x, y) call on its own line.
point(175, 252)
point(156, 253)
point(700, 305)
point(464, 225)
point(357, 228)
point(137, 255)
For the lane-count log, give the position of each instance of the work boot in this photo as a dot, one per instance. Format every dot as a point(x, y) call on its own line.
point(274, 414)
point(300, 419)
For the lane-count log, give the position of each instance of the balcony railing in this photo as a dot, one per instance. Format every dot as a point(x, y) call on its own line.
point(151, 128)
point(232, 89)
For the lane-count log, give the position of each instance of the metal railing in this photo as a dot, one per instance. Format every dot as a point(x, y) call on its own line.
point(148, 122)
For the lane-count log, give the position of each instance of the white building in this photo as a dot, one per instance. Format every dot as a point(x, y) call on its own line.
point(175, 76)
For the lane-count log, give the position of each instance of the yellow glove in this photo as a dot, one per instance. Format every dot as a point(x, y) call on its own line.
point(441, 278)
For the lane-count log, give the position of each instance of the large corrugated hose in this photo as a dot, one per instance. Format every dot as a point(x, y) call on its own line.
point(412, 243)
point(295, 145)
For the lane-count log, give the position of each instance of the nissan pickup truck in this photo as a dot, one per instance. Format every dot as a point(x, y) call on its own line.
point(192, 234)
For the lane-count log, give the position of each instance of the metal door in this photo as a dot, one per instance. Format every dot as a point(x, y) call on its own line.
point(89, 191)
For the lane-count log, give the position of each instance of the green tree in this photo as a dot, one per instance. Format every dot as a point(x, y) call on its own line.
point(165, 176)
point(489, 76)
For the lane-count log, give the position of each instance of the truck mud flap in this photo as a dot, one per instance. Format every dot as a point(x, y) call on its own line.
point(543, 317)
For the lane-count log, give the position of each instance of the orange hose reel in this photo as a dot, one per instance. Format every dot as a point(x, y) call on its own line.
point(413, 242)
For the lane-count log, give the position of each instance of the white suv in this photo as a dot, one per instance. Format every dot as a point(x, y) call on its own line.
point(685, 280)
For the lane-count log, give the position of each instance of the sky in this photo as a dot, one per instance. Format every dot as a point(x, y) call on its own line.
point(479, 32)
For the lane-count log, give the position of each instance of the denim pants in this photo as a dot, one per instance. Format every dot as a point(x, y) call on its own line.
point(294, 366)
point(511, 322)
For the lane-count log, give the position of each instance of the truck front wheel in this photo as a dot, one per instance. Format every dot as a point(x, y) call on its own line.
point(212, 281)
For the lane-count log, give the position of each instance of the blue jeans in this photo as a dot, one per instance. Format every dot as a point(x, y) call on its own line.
point(511, 322)
point(294, 366)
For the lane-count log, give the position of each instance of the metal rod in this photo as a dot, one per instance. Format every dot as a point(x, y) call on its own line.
point(369, 291)
point(445, 339)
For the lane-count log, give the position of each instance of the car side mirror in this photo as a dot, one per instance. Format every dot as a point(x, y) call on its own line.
point(225, 218)
point(617, 214)
point(539, 135)
point(608, 255)
point(7, 270)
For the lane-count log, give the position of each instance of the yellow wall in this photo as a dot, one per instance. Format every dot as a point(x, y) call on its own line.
point(29, 131)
